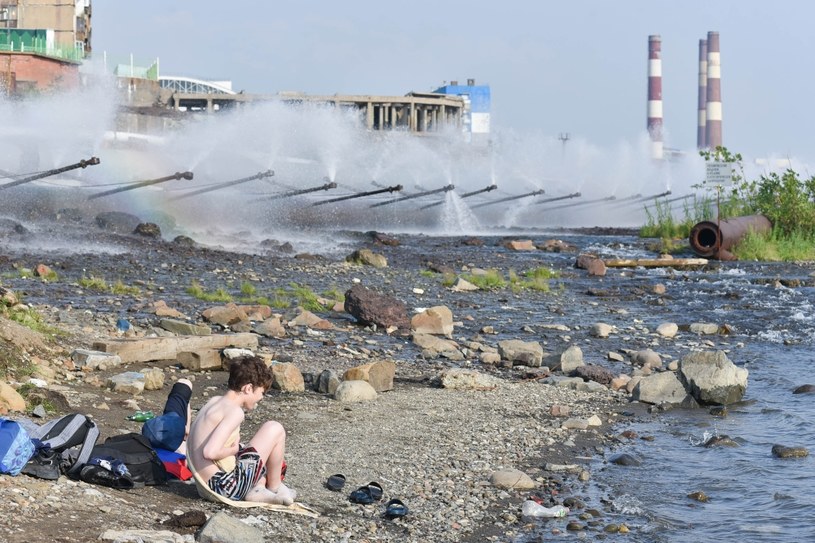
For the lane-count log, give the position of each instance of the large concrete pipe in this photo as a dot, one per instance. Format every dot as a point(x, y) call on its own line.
point(712, 240)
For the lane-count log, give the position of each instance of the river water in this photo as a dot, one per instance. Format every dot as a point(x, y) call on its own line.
point(768, 307)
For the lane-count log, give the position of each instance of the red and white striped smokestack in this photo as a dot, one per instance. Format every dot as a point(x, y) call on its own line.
point(701, 127)
point(713, 121)
point(655, 95)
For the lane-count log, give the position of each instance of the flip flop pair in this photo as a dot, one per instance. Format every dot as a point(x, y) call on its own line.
point(370, 493)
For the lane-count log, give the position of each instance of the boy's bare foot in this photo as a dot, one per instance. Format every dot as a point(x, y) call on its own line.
point(283, 496)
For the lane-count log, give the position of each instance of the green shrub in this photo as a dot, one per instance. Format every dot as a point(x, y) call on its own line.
point(775, 247)
point(197, 291)
point(120, 288)
point(306, 298)
point(248, 289)
point(93, 283)
point(489, 280)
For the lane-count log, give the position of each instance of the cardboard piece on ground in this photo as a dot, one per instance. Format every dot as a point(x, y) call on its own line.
point(167, 348)
point(208, 494)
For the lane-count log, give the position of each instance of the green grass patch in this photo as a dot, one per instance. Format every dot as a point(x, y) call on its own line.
point(306, 298)
point(219, 295)
point(427, 273)
point(248, 290)
point(489, 280)
point(449, 279)
point(121, 289)
point(13, 363)
point(775, 247)
point(93, 283)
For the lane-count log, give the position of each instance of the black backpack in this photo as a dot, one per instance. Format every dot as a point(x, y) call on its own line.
point(66, 441)
point(140, 458)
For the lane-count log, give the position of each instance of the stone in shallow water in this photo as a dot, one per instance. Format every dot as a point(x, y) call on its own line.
point(624, 459)
point(804, 389)
point(782, 451)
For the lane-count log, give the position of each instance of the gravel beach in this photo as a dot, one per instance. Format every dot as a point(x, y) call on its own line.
point(436, 449)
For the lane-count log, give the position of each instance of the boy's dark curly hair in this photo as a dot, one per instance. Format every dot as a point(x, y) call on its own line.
point(249, 370)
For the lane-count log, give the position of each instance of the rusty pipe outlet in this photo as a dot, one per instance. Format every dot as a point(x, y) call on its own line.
point(711, 240)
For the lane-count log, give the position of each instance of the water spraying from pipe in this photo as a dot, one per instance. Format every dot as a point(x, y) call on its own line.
point(218, 186)
point(417, 195)
point(289, 194)
point(558, 198)
point(93, 161)
point(465, 195)
point(510, 198)
point(395, 188)
point(177, 175)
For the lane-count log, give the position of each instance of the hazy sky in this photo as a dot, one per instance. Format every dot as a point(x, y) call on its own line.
point(571, 66)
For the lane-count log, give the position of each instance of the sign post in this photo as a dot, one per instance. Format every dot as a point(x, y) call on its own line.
point(718, 174)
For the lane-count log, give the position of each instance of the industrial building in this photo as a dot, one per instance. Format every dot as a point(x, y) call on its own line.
point(42, 43)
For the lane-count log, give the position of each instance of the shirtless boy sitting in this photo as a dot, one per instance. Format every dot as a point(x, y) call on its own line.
point(214, 436)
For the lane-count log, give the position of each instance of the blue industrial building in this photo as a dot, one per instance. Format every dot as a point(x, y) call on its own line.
point(476, 118)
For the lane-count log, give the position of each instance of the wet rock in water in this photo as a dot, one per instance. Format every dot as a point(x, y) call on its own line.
point(782, 451)
point(435, 320)
point(601, 330)
point(9, 228)
point(184, 241)
point(718, 411)
point(699, 496)
point(711, 378)
point(646, 358)
point(804, 389)
point(148, 230)
point(660, 388)
point(704, 328)
point(118, 222)
point(366, 257)
point(667, 329)
point(557, 246)
point(575, 526)
point(624, 459)
point(720, 441)
point(593, 372)
point(383, 239)
point(370, 307)
point(566, 361)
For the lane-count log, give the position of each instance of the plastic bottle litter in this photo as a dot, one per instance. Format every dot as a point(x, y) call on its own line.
point(531, 508)
point(141, 416)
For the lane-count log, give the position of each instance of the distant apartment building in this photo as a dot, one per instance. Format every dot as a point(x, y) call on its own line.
point(42, 43)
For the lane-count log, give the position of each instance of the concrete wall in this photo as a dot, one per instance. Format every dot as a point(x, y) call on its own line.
point(59, 15)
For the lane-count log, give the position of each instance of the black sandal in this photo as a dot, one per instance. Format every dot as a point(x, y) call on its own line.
point(395, 509)
point(335, 482)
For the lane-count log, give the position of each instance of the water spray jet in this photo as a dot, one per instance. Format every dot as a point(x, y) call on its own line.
point(93, 161)
point(446, 188)
point(395, 188)
point(510, 198)
point(139, 184)
point(218, 186)
point(465, 195)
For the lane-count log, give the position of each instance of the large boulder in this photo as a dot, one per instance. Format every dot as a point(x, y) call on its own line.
point(435, 320)
point(117, 221)
point(525, 353)
point(712, 378)
point(366, 257)
point(659, 388)
point(227, 315)
point(354, 391)
point(287, 377)
point(593, 372)
point(377, 374)
point(370, 307)
point(567, 361)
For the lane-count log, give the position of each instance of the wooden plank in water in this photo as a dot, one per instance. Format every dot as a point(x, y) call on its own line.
point(167, 348)
point(655, 262)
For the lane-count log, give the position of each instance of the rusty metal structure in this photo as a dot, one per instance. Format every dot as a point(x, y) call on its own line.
point(394, 188)
point(218, 186)
point(139, 184)
point(488, 188)
point(93, 161)
point(714, 240)
point(445, 188)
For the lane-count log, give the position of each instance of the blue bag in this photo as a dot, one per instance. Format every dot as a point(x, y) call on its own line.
point(15, 447)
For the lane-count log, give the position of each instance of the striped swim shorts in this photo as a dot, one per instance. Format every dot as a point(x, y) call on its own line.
point(237, 483)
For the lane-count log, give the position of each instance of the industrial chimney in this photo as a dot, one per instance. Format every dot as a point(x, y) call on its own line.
point(713, 121)
point(655, 95)
point(701, 136)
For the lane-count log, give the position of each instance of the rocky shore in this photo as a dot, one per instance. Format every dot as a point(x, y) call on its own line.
point(485, 408)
